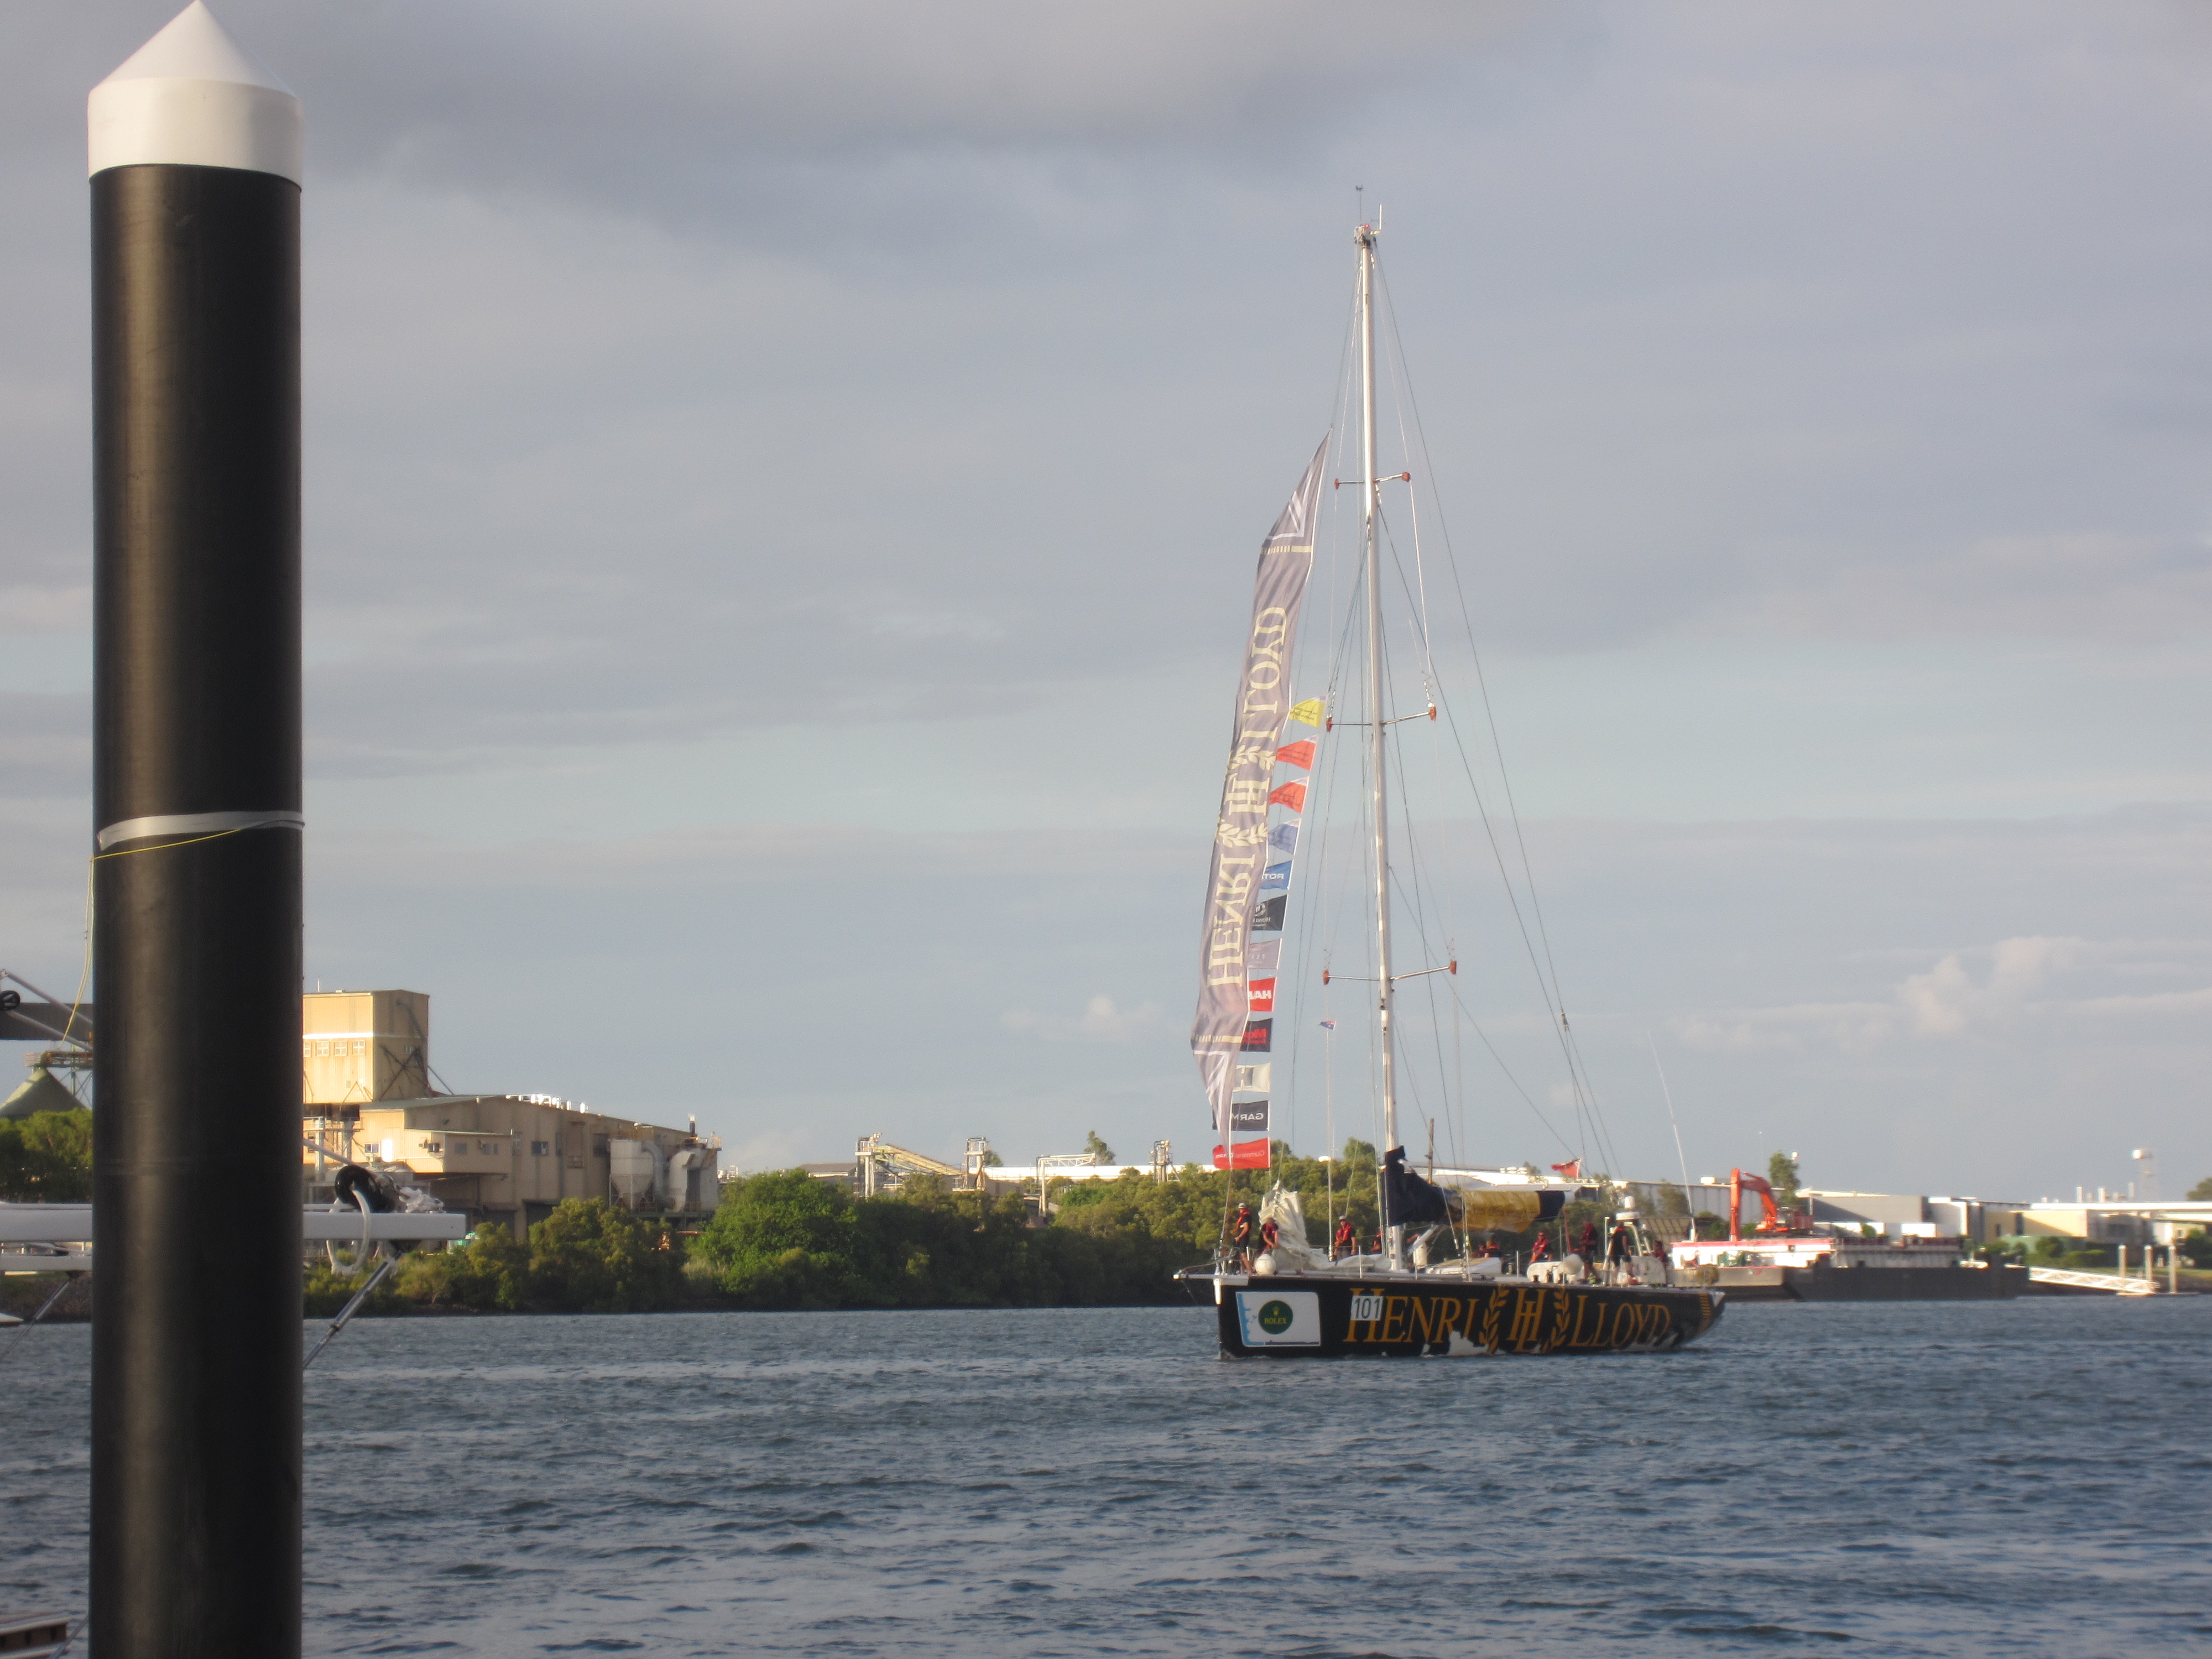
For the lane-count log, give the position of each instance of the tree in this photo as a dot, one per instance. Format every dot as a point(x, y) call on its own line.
point(1781, 1175)
point(784, 1239)
point(1099, 1151)
point(46, 1158)
point(2201, 1192)
point(491, 1271)
point(590, 1257)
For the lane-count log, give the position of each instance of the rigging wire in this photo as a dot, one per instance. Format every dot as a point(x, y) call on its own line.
point(1576, 1065)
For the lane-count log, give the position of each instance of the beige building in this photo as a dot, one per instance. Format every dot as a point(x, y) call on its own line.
point(507, 1158)
point(357, 1047)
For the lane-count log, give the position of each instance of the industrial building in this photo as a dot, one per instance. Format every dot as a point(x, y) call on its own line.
point(366, 1095)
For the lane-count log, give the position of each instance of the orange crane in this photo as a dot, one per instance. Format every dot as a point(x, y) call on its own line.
point(1796, 1221)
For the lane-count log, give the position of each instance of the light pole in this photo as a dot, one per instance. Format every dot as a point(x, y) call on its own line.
point(2149, 1182)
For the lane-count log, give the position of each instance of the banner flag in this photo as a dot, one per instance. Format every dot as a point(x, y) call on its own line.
point(1249, 1117)
point(1245, 1155)
point(1267, 916)
point(1258, 1034)
point(1262, 957)
point(1262, 688)
point(1218, 1072)
point(1308, 712)
point(1255, 1079)
point(1284, 839)
point(1276, 878)
point(1292, 795)
point(1300, 754)
point(1263, 995)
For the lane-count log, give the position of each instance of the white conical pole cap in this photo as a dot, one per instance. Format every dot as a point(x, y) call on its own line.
point(191, 96)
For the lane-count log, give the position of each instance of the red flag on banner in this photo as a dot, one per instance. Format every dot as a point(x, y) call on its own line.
point(1263, 995)
point(1572, 1169)
point(1292, 795)
point(1297, 754)
point(1240, 1155)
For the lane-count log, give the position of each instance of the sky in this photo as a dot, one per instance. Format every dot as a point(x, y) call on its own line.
point(783, 483)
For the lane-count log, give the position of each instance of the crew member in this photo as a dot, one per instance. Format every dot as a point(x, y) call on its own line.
point(1346, 1242)
point(1620, 1248)
point(1240, 1236)
point(1586, 1241)
point(1270, 1234)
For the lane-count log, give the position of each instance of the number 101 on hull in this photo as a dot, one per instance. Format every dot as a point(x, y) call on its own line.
point(1325, 1316)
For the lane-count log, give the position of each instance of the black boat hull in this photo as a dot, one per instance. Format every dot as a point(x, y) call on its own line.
point(1318, 1316)
point(1964, 1282)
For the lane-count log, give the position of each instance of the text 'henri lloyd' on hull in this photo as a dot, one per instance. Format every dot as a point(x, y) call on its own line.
point(1277, 1294)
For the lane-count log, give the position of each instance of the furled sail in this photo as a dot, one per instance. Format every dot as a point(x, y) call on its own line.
point(1410, 1201)
point(1224, 1030)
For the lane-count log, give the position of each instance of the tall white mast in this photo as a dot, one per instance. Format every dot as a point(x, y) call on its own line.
point(1377, 728)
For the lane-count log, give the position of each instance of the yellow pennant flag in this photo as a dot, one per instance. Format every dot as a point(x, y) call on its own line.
point(1309, 711)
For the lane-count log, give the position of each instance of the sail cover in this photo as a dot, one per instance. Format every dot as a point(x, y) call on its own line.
point(1217, 1038)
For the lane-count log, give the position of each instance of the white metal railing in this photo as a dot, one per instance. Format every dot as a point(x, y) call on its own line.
point(54, 1226)
point(2117, 1284)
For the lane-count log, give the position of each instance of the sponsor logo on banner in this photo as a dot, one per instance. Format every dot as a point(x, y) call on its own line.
point(1249, 1117)
point(1260, 960)
point(1240, 1155)
point(1292, 795)
point(1267, 916)
point(1255, 1079)
point(1259, 1036)
point(1278, 1319)
point(1276, 878)
point(1300, 754)
point(1262, 692)
point(1263, 996)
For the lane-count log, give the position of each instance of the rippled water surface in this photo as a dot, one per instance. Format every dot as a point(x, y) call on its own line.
point(1968, 1479)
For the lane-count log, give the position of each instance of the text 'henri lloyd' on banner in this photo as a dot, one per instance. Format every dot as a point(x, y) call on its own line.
point(1249, 887)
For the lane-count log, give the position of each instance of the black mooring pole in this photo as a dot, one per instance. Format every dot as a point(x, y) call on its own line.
point(195, 165)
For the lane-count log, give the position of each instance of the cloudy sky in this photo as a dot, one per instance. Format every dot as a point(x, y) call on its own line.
point(782, 483)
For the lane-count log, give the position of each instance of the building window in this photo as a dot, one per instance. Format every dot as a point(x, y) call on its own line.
point(539, 1149)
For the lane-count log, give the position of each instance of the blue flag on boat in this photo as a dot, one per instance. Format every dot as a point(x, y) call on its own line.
point(1276, 878)
point(1283, 839)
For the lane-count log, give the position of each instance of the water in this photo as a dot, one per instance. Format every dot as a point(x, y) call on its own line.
point(1960, 1479)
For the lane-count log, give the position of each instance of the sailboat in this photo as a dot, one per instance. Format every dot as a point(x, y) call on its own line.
point(1277, 1293)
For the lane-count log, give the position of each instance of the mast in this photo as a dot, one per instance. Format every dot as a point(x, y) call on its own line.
point(1395, 1235)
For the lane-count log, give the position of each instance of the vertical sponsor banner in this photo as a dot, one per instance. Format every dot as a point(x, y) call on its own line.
point(1240, 837)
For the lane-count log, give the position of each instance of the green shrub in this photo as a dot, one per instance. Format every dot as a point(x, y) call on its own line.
point(590, 1257)
point(324, 1294)
point(491, 1271)
point(46, 1158)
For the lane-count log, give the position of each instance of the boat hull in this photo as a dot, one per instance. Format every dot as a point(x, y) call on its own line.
point(1319, 1315)
point(1957, 1284)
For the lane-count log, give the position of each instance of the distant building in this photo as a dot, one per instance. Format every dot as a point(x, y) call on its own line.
point(359, 1047)
point(366, 1098)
